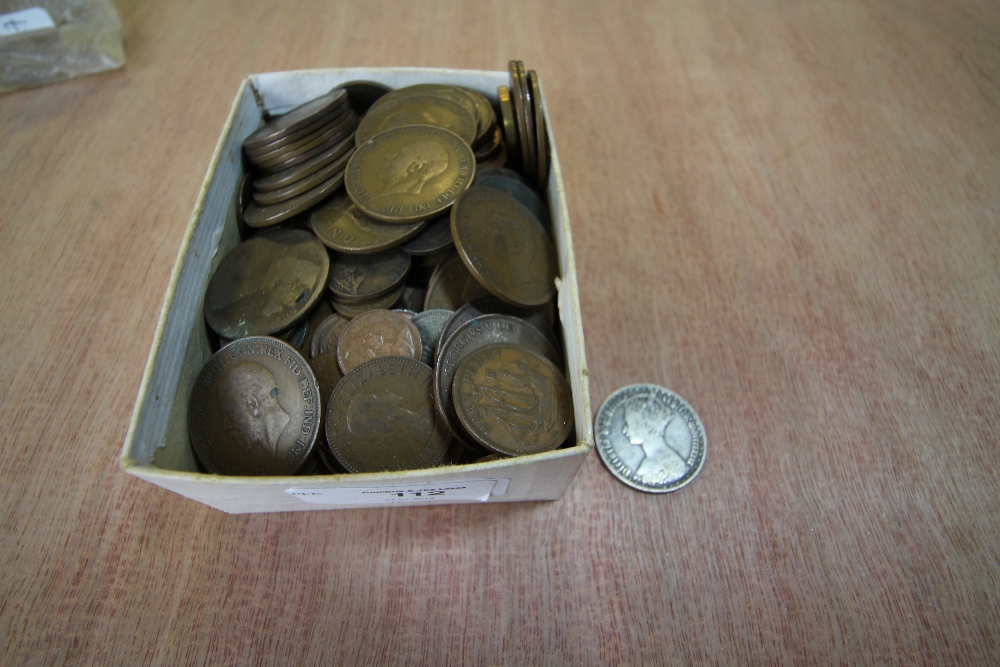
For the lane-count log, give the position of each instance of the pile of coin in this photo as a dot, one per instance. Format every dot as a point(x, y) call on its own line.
point(524, 123)
point(398, 314)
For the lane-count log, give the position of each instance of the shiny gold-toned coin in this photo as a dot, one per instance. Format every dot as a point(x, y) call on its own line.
point(377, 333)
point(254, 409)
point(364, 277)
point(340, 225)
point(508, 116)
point(504, 246)
point(266, 284)
point(409, 174)
point(299, 117)
point(381, 417)
point(444, 291)
point(512, 400)
point(429, 110)
point(352, 309)
point(303, 185)
point(257, 215)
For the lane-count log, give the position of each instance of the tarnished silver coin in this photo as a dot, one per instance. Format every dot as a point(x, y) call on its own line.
point(650, 438)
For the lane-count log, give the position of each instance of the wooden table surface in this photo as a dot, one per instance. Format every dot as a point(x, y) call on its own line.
point(786, 212)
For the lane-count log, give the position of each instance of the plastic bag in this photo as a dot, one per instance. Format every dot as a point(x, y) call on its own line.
point(44, 41)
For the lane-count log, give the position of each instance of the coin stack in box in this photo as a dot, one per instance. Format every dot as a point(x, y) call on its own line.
point(391, 306)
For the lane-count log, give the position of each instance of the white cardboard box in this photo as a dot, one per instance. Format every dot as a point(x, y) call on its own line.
point(156, 446)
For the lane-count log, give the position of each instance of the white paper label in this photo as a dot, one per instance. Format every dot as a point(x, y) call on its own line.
point(462, 491)
point(25, 23)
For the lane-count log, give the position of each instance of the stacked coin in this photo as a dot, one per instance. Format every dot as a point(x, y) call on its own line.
point(299, 158)
point(524, 123)
point(433, 341)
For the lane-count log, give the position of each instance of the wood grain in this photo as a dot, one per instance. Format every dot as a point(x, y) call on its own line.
point(786, 212)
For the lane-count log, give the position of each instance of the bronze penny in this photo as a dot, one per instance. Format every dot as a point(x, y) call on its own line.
point(530, 156)
point(328, 332)
point(435, 238)
point(513, 401)
point(429, 110)
point(522, 193)
point(352, 309)
point(265, 216)
point(266, 284)
point(413, 298)
point(294, 174)
point(319, 314)
point(508, 116)
point(272, 167)
point(299, 117)
point(254, 409)
point(482, 174)
point(474, 334)
point(365, 277)
point(326, 368)
point(340, 225)
point(489, 148)
point(444, 291)
point(504, 246)
point(486, 116)
point(363, 94)
point(541, 137)
point(453, 93)
point(272, 197)
point(409, 174)
point(318, 136)
point(520, 119)
point(498, 160)
point(377, 333)
point(297, 135)
point(381, 417)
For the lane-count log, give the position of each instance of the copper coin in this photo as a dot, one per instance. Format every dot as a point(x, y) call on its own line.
point(471, 336)
point(522, 193)
point(377, 333)
point(326, 368)
point(340, 225)
point(541, 137)
point(409, 174)
point(273, 167)
point(303, 185)
point(265, 216)
point(431, 110)
point(504, 246)
point(498, 160)
point(413, 298)
point(319, 314)
point(271, 154)
point(363, 277)
point(539, 317)
point(486, 116)
point(254, 409)
point(297, 135)
point(266, 284)
point(435, 238)
point(294, 174)
point(520, 118)
point(327, 334)
point(446, 285)
point(509, 122)
point(352, 309)
point(454, 93)
point(490, 147)
point(482, 174)
point(381, 417)
point(530, 156)
point(363, 94)
point(513, 401)
point(297, 118)
point(430, 323)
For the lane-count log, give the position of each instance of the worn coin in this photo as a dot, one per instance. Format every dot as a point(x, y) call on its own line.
point(340, 225)
point(352, 309)
point(294, 174)
point(297, 135)
point(444, 291)
point(257, 215)
point(299, 117)
point(254, 409)
point(486, 116)
point(338, 127)
point(435, 238)
point(266, 284)
point(381, 417)
point(377, 333)
point(274, 167)
point(504, 246)
point(363, 94)
point(456, 94)
point(276, 196)
point(650, 438)
point(328, 332)
point(430, 323)
point(513, 401)
point(429, 110)
point(518, 98)
point(364, 277)
point(409, 174)
point(522, 193)
point(326, 368)
point(541, 137)
point(509, 122)
point(491, 304)
point(530, 159)
point(471, 336)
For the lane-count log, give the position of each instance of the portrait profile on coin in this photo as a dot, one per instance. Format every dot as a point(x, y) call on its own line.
point(408, 169)
point(664, 439)
point(252, 414)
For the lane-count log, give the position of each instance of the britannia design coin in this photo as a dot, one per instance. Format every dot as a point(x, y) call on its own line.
point(504, 246)
point(409, 174)
point(364, 277)
point(377, 333)
point(381, 417)
point(650, 438)
point(340, 225)
point(513, 401)
point(266, 284)
point(254, 409)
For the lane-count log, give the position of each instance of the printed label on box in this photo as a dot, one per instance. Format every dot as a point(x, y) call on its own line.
point(25, 23)
point(461, 491)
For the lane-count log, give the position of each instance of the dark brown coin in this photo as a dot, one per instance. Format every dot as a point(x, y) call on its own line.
point(364, 277)
point(429, 110)
point(303, 185)
point(265, 216)
point(409, 174)
point(326, 368)
point(435, 238)
point(508, 116)
point(254, 409)
point(522, 193)
point(531, 165)
point(430, 323)
point(363, 94)
point(266, 284)
point(413, 298)
point(381, 417)
point(273, 167)
point(340, 225)
point(294, 174)
point(337, 125)
point(319, 314)
point(328, 332)
point(541, 137)
point(299, 117)
point(352, 309)
point(297, 135)
point(446, 285)
point(518, 96)
point(498, 160)
point(489, 148)
point(377, 333)
point(504, 246)
point(497, 171)
point(471, 336)
point(513, 401)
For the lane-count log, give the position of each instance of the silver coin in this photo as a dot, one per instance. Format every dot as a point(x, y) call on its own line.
point(650, 438)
